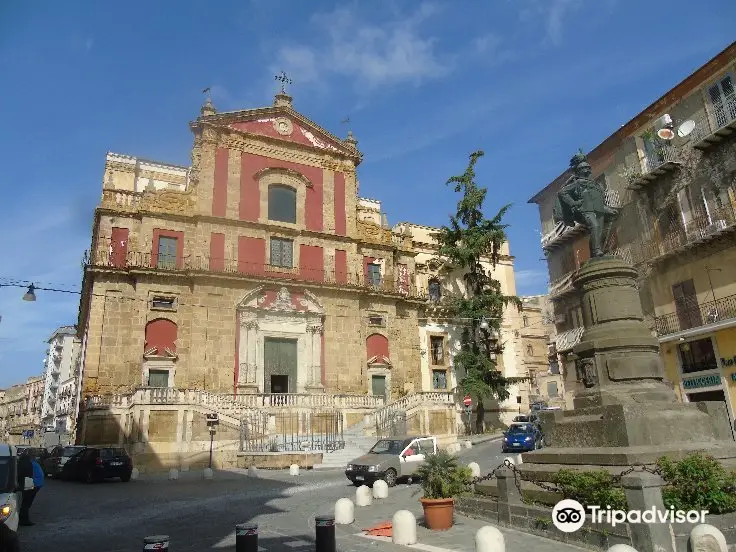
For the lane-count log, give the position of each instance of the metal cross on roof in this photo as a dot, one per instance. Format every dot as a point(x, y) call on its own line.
point(284, 80)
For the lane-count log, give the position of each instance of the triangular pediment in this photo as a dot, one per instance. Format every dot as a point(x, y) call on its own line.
point(379, 360)
point(154, 353)
point(283, 123)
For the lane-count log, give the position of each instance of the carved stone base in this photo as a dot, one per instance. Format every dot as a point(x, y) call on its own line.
point(248, 388)
point(314, 388)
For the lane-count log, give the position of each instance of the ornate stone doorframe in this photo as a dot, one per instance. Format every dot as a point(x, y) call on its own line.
point(278, 313)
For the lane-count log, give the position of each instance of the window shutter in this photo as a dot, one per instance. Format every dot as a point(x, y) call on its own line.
point(287, 253)
point(275, 253)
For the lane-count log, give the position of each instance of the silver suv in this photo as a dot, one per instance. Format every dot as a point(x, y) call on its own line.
point(390, 459)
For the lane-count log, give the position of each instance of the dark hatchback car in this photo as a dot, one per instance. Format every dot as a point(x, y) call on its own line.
point(60, 455)
point(94, 464)
point(520, 437)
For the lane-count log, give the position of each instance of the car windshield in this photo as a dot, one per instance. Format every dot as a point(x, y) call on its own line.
point(5, 483)
point(521, 419)
point(386, 446)
point(71, 451)
point(517, 429)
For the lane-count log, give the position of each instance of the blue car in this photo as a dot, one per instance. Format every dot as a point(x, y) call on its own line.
point(522, 438)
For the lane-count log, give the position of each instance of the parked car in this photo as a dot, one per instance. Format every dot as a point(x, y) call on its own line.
point(10, 497)
point(94, 464)
point(391, 459)
point(521, 437)
point(59, 456)
point(39, 453)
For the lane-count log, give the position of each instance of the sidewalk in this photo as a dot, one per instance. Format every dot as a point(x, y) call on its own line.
point(484, 438)
point(459, 538)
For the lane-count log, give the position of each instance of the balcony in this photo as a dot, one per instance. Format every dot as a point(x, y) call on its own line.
point(195, 265)
point(697, 315)
point(562, 234)
point(56, 356)
point(720, 221)
point(718, 126)
point(660, 161)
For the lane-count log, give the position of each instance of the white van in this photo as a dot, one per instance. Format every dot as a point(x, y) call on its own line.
point(10, 497)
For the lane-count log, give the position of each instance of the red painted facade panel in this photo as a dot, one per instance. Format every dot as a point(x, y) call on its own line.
point(376, 346)
point(160, 335)
point(251, 255)
point(118, 247)
point(219, 191)
point(217, 251)
point(160, 233)
point(340, 224)
point(341, 266)
point(250, 194)
point(366, 262)
point(312, 263)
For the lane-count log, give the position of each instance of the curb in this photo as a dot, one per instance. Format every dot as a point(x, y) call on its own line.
point(487, 438)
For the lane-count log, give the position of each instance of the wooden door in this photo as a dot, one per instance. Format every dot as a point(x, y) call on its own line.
point(686, 305)
point(279, 364)
point(378, 385)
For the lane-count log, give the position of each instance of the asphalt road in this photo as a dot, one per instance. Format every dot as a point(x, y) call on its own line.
point(200, 515)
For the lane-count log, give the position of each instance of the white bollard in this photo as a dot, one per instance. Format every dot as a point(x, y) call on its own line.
point(707, 538)
point(344, 511)
point(519, 459)
point(208, 473)
point(135, 474)
point(363, 496)
point(404, 528)
point(510, 459)
point(294, 469)
point(173, 474)
point(489, 539)
point(252, 471)
point(468, 444)
point(621, 548)
point(474, 469)
point(380, 489)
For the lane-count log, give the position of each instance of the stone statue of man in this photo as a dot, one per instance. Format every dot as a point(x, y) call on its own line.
point(583, 200)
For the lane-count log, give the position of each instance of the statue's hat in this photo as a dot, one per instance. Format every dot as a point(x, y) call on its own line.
point(578, 158)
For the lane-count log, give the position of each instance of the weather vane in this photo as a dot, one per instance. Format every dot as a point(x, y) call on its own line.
point(345, 121)
point(284, 80)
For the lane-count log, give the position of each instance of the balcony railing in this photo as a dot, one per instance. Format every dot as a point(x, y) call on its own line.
point(662, 159)
point(697, 315)
point(133, 260)
point(718, 125)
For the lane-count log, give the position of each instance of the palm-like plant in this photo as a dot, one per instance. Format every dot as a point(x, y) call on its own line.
point(442, 477)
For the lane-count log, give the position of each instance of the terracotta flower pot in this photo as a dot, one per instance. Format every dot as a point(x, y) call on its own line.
point(438, 512)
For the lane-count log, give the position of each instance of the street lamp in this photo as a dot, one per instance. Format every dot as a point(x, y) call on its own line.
point(484, 324)
point(713, 314)
point(30, 295)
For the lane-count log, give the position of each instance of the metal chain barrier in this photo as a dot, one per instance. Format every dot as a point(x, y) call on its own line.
point(519, 476)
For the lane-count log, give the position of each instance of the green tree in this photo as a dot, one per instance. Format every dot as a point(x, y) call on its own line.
point(468, 243)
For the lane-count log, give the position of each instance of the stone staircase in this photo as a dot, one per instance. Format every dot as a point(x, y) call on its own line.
point(357, 443)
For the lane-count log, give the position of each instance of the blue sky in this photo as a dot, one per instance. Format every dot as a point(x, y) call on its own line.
point(424, 84)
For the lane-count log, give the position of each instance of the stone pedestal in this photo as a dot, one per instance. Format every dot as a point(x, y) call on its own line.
point(626, 412)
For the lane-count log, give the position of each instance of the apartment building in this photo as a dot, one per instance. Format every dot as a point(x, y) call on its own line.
point(59, 375)
point(672, 172)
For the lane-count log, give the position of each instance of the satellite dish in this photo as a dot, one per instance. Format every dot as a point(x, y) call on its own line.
point(686, 128)
point(665, 133)
point(664, 127)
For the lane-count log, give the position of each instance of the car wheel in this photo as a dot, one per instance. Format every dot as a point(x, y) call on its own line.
point(125, 478)
point(390, 477)
point(89, 477)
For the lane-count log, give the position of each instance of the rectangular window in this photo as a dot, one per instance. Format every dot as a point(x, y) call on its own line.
point(167, 247)
point(723, 100)
point(437, 346)
point(375, 320)
point(439, 379)
point(282, 253)
point(552, 389)
point(697, 356)
point(158, 378)
point(374, 274)
point(167, 303)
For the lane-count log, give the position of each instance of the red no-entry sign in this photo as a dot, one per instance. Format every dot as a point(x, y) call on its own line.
point(467, 401)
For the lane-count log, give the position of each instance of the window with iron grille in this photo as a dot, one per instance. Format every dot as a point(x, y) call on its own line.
point(435, 291)
point(437, 346)
point(166, 303)
point(373, 274)
point(158, 378)
point(375, 320)
point(167, 247)
point(282, 253)
point(439, 379)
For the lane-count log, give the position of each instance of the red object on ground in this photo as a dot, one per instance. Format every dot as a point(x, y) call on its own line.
point(381, 530)
point(467, 401)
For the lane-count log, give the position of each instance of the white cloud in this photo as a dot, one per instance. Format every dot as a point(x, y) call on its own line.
point(49, 254)
point(551, 14)
point(384, 53)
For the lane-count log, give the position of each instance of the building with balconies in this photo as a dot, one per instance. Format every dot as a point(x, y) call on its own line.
point(63, 352)
point(255, 284)
point(672, 172)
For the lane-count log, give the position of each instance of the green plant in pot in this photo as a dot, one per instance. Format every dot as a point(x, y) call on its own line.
point(441, 479)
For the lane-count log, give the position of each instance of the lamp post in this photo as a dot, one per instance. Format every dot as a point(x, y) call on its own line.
point(708, 270)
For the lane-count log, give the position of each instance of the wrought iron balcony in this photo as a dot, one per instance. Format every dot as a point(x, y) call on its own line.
point(696, 315)
point(190, 265)
point(716, 127)
point(664, 158)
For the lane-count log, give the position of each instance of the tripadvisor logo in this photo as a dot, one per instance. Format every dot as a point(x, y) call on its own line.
point(569, 516)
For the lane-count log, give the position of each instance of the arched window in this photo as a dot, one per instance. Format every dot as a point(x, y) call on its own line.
point(160, 335)
point(376, 345)
point(435, 290)
point(281, 203)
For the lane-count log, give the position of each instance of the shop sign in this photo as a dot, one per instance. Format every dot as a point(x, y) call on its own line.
point(728, 361)
point(702, 381)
